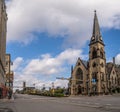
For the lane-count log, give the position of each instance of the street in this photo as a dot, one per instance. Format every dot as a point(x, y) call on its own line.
point(31, 103)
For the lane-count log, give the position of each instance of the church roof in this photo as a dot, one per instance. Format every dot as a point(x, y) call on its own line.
point(96, 35)
point(117, 69)
point(109, 67)
point(85, 63)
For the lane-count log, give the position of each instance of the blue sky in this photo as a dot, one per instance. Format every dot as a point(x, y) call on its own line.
point(45, 37)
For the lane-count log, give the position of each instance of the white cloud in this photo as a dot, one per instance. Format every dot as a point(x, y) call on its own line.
point(17, 63)
point(117, 59)
point(70, 18)
point(47, 66)
point(61, 83)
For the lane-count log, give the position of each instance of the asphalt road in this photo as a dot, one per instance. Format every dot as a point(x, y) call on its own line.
point(29, 103)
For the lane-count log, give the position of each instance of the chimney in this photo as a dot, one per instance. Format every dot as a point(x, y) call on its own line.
point(114, 61)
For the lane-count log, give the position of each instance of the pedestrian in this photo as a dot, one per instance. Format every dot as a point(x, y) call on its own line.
point(9, 94)
point(0, 93)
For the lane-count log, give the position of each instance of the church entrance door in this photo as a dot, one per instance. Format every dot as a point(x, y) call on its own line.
point(79, 89)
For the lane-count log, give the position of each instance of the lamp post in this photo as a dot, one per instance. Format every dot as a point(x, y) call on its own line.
point(53, 88)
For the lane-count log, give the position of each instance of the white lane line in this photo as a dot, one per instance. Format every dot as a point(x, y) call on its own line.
point(97, 103)
point(88, 102)
point(109, 104)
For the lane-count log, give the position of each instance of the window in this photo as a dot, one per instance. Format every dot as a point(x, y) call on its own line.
point(94, 76)
point(79, 64)
point(87, 76)
point(112, 80)
point(94, 53)
point(113, 72)
point(79, 76)
point(101, 54)
point(94, 64)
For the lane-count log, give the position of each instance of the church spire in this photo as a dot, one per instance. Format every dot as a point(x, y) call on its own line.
point(96, 35)
point(96, 28)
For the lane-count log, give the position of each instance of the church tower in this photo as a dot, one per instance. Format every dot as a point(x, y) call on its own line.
point(97, 61)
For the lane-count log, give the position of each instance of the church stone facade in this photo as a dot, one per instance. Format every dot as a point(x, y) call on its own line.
point(94, 76)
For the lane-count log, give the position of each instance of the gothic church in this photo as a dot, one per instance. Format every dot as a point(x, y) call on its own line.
point(95, 76)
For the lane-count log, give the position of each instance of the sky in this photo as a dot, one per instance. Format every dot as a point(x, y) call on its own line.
point(46, 37)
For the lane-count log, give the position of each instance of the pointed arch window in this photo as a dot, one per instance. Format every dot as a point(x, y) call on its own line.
point(112, 80)
point(94, 53)
point(79, 74)
point(101, 54)
point(78, 63)
point(94, 76)
point(94, 64)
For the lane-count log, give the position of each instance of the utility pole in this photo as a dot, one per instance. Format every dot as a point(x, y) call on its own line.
point(53, 90)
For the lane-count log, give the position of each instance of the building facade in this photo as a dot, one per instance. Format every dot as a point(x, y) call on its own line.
point(3, 30)
point(94, 76)
point(9, 76)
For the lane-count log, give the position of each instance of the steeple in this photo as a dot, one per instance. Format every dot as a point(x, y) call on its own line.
point(96, 35)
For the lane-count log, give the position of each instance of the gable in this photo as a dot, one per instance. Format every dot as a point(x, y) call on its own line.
point(109, 67)
point(82, 64)
point(113, 73)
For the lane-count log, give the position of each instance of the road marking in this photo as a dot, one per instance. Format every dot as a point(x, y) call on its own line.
point(97, 103)
point(88, 102)
point(109, 104)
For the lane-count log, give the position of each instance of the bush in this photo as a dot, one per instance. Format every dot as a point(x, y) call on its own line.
point(58, 95)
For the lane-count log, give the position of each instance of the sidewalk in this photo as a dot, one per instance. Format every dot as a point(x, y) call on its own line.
point(7, 105)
